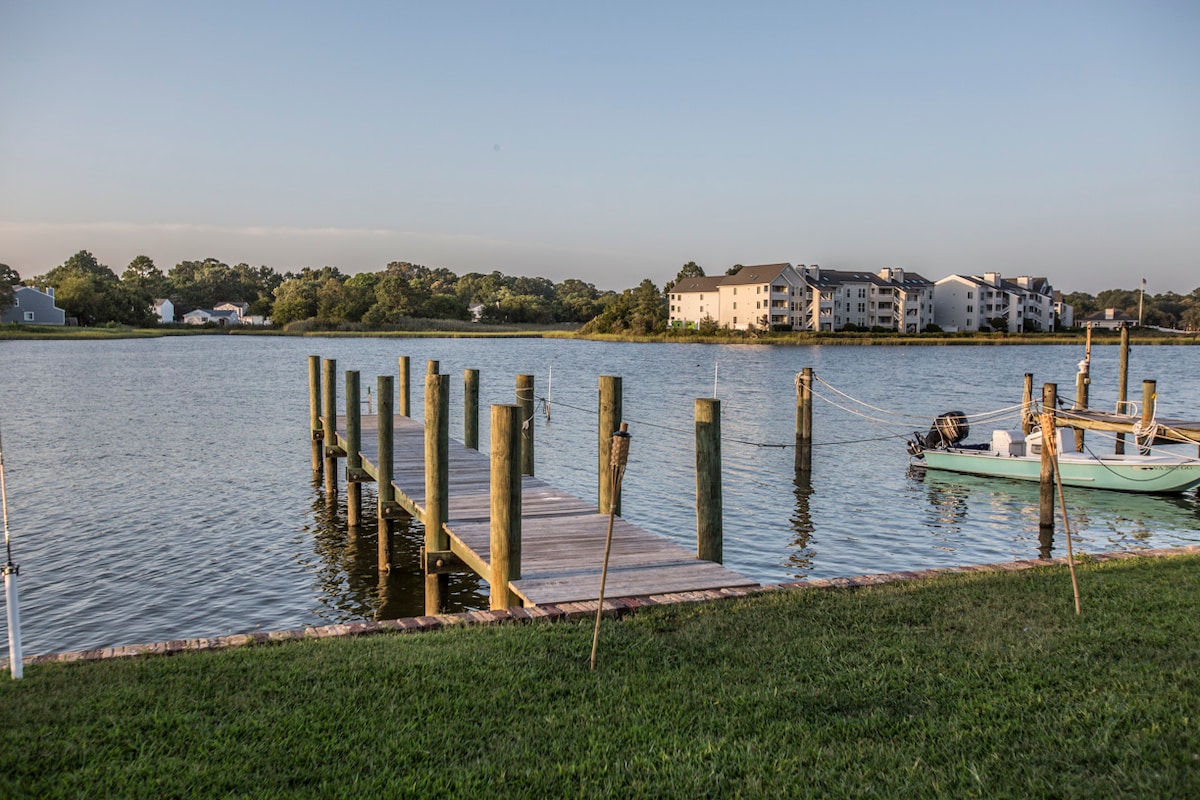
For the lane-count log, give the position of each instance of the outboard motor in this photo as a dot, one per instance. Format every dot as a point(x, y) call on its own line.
point(947, 430)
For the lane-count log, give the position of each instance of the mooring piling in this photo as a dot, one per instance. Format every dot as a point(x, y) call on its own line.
point(1123, 385)
point(354, 470)
point(1049, 440)
point(505, 504)
point(1145, 439)
point(804, 382)
point(525, 401)
point(1083, 380)
point(471, 408)
point(1027, 405)
point(709, 511)
point(314, 412)
point(610, 418)
point(403, 409)
point(329, 424)
point(437, 482)
point(385, 509)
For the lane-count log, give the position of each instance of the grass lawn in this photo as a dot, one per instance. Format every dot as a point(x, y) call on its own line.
point(977, 685)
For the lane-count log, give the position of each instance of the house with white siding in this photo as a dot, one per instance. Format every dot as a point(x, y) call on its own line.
point(893, 299)
point(763, 296)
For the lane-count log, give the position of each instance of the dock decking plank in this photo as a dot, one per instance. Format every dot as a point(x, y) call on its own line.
point(562, 536)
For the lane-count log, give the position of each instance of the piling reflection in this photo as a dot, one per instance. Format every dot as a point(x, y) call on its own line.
point(349, 583)
point(801, 553)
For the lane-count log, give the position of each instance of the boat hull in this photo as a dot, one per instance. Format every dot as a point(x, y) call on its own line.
point(1131, 473)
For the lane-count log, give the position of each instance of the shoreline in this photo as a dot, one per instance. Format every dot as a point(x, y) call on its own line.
point(614, 608)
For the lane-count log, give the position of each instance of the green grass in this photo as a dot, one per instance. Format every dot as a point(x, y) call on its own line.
point(980, 685)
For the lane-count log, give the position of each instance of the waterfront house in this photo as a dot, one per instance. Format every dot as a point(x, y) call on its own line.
point(891, 299)
point(201, 316)
point(32, 306)
point(1112, 318)
point(763, 296)
point(164, 309)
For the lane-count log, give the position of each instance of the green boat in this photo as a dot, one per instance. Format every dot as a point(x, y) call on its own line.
point(1016, 456)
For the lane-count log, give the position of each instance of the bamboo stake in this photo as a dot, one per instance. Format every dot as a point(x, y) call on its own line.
point(620, 457)
point(1049, 440)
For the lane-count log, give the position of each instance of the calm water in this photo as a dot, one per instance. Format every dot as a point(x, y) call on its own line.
point(162, 488)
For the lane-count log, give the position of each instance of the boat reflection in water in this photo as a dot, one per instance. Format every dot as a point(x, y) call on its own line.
point(1100, 520)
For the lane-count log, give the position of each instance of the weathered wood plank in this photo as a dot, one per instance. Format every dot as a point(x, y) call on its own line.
point(562, 535)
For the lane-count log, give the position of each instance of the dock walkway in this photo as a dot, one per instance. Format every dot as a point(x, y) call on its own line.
point(562, 536)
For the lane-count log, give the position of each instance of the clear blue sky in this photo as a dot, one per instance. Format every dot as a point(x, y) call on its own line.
point(608, 141)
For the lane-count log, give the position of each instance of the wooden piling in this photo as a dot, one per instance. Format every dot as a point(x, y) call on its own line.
point(610, 419)
point(471, 408)
point(804, 420)
point(1049, 440)
point(1083, 380)
point(387, 498)
point(437, 482)
point(329, 424)
point(505, 528)
point(314, 412)
point(433, 367)
point(1123, 384)
point(354, 471)
point(403, 408)
point(1149, 396)
point(709, 513)
point(525, 401)
point(1027, 405)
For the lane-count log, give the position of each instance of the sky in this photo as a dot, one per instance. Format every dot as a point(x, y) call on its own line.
point(609, 142)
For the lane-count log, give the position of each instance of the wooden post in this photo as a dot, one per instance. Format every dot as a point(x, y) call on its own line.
point(505, 504)
point(387, 496)
point(403, 409)
point(709, 515)
point(437, 481)
point(804, 420)
point(1149, 396)
point(1027, 405)
point(525, 401)
point(1049, 440)
point(329, 424)
point(353, 450)
point(1123, 384)
point(1083, 379)
point(314, 412)
point(610, 419)
point(471, 408)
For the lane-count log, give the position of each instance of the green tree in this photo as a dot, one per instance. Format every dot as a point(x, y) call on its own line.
point(295, 299)
point(689, 270)
point(90, 292)
point(144, 277)
point(9, 280)
point(204, 284)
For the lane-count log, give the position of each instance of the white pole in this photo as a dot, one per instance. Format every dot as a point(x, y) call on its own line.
point(10, 586)
point(549, 391)
point(716, 366)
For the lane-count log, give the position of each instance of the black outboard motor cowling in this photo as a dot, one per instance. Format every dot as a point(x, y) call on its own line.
point(947, 430)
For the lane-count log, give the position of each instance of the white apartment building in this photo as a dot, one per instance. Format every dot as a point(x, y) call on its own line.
point(805, 298)
point(972, 303)
point(692, 299)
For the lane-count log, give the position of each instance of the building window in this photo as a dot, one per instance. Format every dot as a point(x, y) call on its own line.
point(735, 306)
point(970, 295)
point(29, 316)
point(735, 320)
point(970, 309)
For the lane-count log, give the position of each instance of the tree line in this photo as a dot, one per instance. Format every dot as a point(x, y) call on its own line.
point(94, 294)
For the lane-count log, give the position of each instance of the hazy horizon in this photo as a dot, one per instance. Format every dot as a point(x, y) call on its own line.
point(609, 143)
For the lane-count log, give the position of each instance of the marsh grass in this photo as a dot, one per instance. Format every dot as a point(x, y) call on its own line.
point(959, 686)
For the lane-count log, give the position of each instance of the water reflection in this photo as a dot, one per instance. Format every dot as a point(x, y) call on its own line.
point(349, 584)
point(800, 552)
point(1100, 520)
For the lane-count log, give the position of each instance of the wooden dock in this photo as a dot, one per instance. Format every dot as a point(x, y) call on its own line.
point(1169, 431)
point(562, 536)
